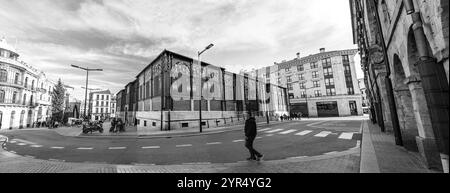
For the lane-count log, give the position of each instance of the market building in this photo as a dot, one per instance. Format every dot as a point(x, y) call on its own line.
point(404, 54)
point(166, 96)
point(319, 85)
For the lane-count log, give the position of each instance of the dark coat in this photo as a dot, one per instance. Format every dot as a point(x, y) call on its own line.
point(250, 128)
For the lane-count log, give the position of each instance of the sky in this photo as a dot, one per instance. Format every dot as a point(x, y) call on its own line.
point(124, 36)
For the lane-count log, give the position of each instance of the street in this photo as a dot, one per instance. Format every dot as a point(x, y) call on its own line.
point(282, 141)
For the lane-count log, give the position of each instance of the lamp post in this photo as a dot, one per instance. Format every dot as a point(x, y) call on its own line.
point(87, 80)
point(201, 85)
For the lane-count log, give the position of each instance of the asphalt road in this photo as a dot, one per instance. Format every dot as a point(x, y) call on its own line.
point(290, 139)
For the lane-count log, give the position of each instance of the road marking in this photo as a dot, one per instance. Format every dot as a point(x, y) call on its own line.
point(288, 131)
point(12, 141)
point(304, 132)
point(151, 147)
point(85, 148)
point(323, 134)
point(29, 156)
point(269, 135)
point(298, 157)
point(265, 129)
point(239, 140)
point(21, 144)
point(346, 136)
point(214, 143)
point(25, 141)
point(117, 148)
point(258, 138)
point(13, 152)
point(35, 145)
point(185, 145)
point(275, 130)
point(57, 147)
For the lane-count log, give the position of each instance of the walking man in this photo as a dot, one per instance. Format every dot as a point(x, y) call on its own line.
point(250, 135)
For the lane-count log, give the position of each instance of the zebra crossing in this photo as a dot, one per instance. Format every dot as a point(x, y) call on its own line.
point(299, 132)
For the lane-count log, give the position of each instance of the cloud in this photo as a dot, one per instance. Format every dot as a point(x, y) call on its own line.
point(123, 36)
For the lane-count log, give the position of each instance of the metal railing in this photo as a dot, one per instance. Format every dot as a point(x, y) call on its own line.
point(11, 81)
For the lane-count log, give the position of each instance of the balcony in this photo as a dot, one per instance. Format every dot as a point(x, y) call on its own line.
point(10, 102)
point(11, 82)
point(43, 90)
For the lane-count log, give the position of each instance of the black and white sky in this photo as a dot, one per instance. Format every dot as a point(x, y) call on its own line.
point(123, 36)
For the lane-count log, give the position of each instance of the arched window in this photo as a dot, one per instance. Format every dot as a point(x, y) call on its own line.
point(32, 85)
point(3, 75)
point(2, 96)
point(26, 82)
point(42, 85)
point(31, 100)
point(11, 123)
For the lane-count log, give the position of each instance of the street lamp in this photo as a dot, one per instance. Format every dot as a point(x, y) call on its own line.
point(87, 80)
point(201, 85)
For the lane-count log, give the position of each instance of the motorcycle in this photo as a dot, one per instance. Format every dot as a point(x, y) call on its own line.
point(92, 127)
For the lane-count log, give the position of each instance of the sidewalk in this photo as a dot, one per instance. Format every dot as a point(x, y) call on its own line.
point(379, 154)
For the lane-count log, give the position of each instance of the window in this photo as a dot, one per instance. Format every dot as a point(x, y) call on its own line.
point(112, 111)
point(316, 84)
point(106, 110)
point(98, 97)
point(289, 85)
point(3, 75)
point(103, 97)
point(2, 96)
point(302, 86)
point(345, 59)
point(291, 95)
point(107, 97)
point(315, 74)
point(347, 69)
point(350, 91)
point(145, 123)
point(314, 65)
point(300, 67)
point(101, 110)
point(289, 79)
point(96, 103)
point(16, 78)
point(303, 94)
point(301, 77)
point(106, 104)
point(329, 82)
point(317, 93)
point(286, 70)
point(96, 110)
point(32, 85)
point(26, 82)
point(326, 62)
point(102, 104)
point(328, 71)
point(24, 99)
point(331, 92)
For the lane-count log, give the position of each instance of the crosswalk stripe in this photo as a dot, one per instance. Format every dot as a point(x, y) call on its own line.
point(275, 130)
point(57, 147)
point(305, 132)
point(239, 140)
point(151, 147)
point(288, 131)
point(265, 129)
point(36, 145)
point(323, 134)
point(117, 148)
point(346, 136)
point(85, 148)
point(214, 143)
point(185, 145)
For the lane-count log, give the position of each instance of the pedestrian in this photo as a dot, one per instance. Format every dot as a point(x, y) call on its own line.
point(250, 135)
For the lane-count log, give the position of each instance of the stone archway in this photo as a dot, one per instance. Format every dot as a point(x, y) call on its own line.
point(426, 141)
point(30, 118)
point(22, 116)
point(405, 109)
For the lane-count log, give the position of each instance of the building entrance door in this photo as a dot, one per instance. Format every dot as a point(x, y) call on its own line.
point(353, 109)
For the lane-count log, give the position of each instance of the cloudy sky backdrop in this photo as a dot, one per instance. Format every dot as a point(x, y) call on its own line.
point(123, 36)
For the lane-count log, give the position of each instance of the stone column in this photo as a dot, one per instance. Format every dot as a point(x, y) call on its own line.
point(426, 141)
point(381, 76)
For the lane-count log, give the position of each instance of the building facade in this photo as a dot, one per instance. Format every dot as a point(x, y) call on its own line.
point(166, 96)
point(113, 106)
point(319, 85)
point(362, 88)
point(25, 92)
point(100, 105)
point(404, 54)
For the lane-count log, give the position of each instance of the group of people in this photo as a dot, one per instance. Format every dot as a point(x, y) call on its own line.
point(117, 125)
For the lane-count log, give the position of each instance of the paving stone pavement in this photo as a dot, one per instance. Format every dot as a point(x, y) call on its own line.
point(346, 163)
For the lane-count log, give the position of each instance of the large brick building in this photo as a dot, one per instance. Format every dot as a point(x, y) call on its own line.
point(166, 96)
point(319, 85)
point(404, 50)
